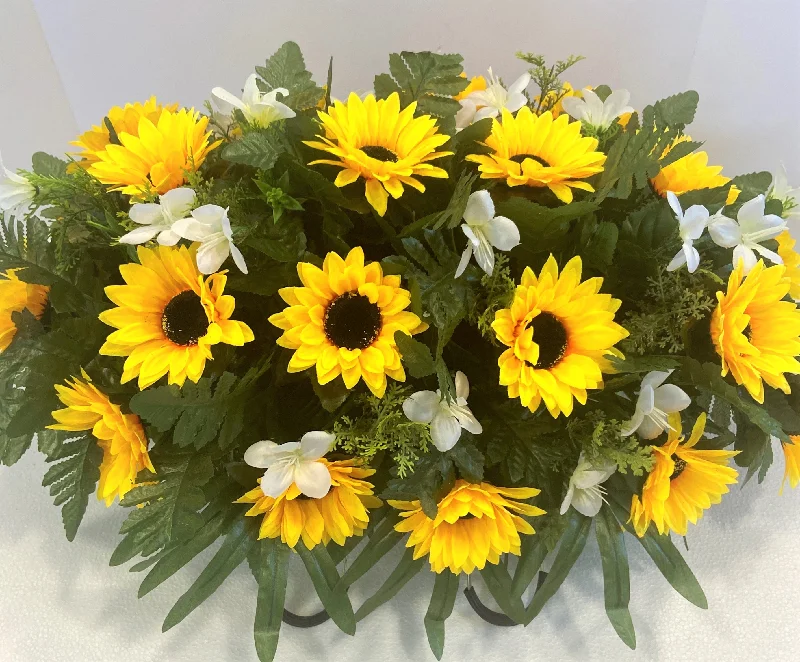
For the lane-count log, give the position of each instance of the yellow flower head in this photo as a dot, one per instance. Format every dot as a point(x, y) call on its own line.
point(791, 260)
point(558, 332)
point(683, 483)
point(475, 524)
point(476, 84)
point(340, 514)
point(385, 146)
point(689, 173)
point(540, 151)
point(124, 120)
point(156, 157)
point(119, 435)
point(343, 320)
point(16, 296)
point(791, 454)
point(756, 334)
point(168, 317)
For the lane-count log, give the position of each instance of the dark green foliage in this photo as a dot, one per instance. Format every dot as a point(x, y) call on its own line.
point(269, 562)
point(258, 148)
point(287, 68)
point(445, 589)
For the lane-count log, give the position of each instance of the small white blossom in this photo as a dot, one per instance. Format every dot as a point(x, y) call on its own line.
point(16, 192)
point(584, 493)
point(596, 113)
point(692, 224)
point(210, 226)
point(780, 190)
point(656, 401)
point(746, 233)
point(484, 230)
point(260, 109)
point(157, 219)
point(491, 101)
point(293, 462)
point(446, 419)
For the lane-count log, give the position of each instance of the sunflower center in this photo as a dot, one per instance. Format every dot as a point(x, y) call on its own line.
point(184, 320)
point(519, 158)
point(380, 153)
point(551, 336)
point(680, 465)
point(748, 333)
point(352, 321)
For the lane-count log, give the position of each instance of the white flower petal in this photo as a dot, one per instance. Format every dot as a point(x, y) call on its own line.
point(466, 419)
point(466, 114)
point(177, 202)
point(677, 262)
point(770, 255)
point(673, 201)
point(486, 111)
point(277, 479)
point(146, 213)
point(422, 406)
point(251, 94)
point(312, 479)
point(692, 257)
point(503, 233)
point(694, 221)
point(746, 255)
point(647, 399)
point(226, 101)
point(616, 103)
point(480, 208)
point(594, 106)
point(633, 424)
point(193, 230)
point(725, 232)
point(260, 454)
point(140, 235)
point(212, 254)
point(238, 258)
point(656, 378)
point(316, 443)
point(519, 85)
point(568, 497)
point(462, 385)
point(484, 255)
point(587, 502)
point(575, 108)
point(649, 429)
point(670, 399)
point(751, 212)
point(168, 237)
point(465, 257)
point(445, 430)
point(592, 477)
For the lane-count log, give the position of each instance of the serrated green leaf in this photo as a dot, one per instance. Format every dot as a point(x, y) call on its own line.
point(46, 165)
point(677, 110)
point(468, 459)
point(599, 251)
point(258, 148)
point(415, 355)
point(269, 562)
point(287, 68)
point(406, 569)
point(445, 589)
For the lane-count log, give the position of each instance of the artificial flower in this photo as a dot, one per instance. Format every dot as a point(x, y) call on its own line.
point(791, 456)
point(755, 332)
point(16, 296)
point(689, 173)
point(791, 260)
point(491, 100)
point(210, 226)
point(16, 192)
point(476, 84)
point(691, 225)
point(168, 317)
point(655, 403)
point(259, 108)
point(787, 195)
point(343, 320)
point(157, 219)
point(157, 157)
point(683, 482)
point(120, 435)
point(559, 332)
point(339, 515)
point(539, 151)
point(585, 493)
point(378, 142)
point(745, 234)
point(594, 112)
point(293, 462)
point(446, 417)
point(554, 100)
point(475, 523)
point(485, 230)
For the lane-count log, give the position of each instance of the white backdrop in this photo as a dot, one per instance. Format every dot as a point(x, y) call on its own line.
point(63, 63)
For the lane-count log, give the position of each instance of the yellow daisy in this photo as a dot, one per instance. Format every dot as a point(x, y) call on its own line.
point(156, 157)
point(791, 260)
point(683, 483)
point(16, 296)
point(168, 317)
point(756, 334)
point(689, 173)
point(539, 151)
point(340, 514)
point(475, 524)
point(343, 320)
point(120, 435)
point(476, 84)
point(385, 146)
point(791, 454)
point(559, 331)
point(124, 120)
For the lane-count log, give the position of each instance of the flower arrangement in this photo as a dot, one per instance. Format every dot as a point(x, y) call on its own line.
point(453, 315)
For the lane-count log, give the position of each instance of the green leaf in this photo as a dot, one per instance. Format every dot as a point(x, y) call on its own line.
point(416, 356)
point(269, 562)
point(616, 574)
point(405, 570)
point(381, 541)
point(326, 580)
point(287, 68)
point(638, 364)
point(572, 543)
point(46, 165)
point(677, 110)
point(445, 589)
point(229, 556)
point(755, 450)
point(532, 554)
point(677, 152)
point(284, 241)
point(599, 251)
point(258, 148)
point(74, 478)
point(499, 583)
point(752, 184)
point(432, 478)
point(468, 459)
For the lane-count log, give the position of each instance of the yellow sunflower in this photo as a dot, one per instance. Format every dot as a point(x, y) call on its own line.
point(539, 151)
point(120, 435)
point(340, 514)
point(559, 331)
point(475, 524)
point(689, 173)
point(791, 454)
point(343, 320)
point(16, 296)
point(557, 108)
point(168, 317)
point(756, 334)
point(683, 483)
point(124, 120)
point(385, 146)
point(156, 157)
point(476, 84)
point(791, 260)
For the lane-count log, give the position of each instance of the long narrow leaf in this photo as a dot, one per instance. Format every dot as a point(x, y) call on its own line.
point(382, 540)
point(445, 589)
point(405, 570)
point(498, 581)
point(325, 577)
point(532, 554)
point(269, 562)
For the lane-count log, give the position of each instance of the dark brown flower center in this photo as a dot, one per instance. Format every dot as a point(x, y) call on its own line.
point(184, 320)
point(380, 153)
point(551, 336)
point(680, 465)
point(748, 333)
point(352, 321)
point(519, 158)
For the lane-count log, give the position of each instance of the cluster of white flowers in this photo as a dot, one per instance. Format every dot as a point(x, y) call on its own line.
point(492, 101)
point(596, 113)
